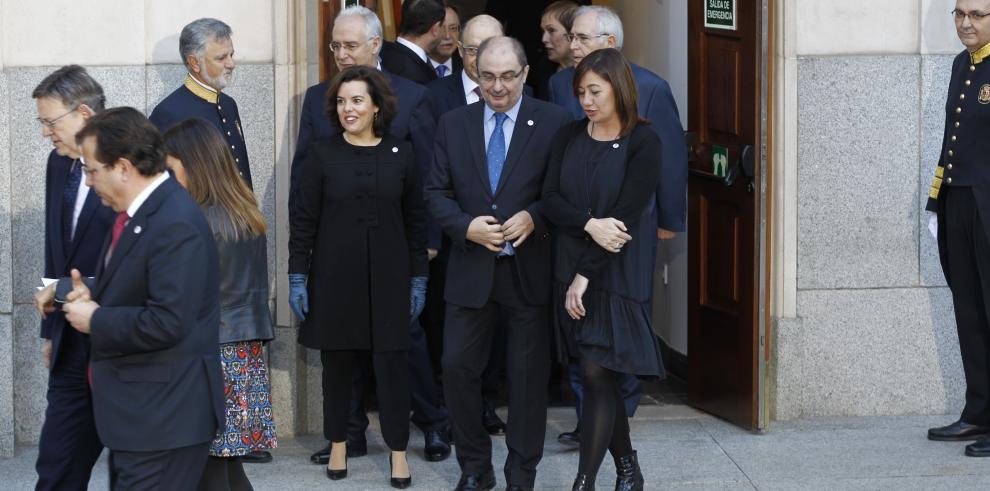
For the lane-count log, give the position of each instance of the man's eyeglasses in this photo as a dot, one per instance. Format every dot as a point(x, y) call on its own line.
point(583, 38)
point(50, 123)
point(974, 16)
point(506, 78)
point(342, 47)
point(468, 50)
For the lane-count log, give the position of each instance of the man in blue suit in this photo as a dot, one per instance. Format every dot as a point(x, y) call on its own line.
point(484, 189)
point(76, 225)
point(448, 93)
point(208, 52)
point(356, 40)
point(596, 27)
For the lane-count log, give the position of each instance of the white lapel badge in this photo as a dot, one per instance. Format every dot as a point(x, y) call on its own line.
point(615, 145)
point(529, 123)
point(137, 229)
point(395, 149)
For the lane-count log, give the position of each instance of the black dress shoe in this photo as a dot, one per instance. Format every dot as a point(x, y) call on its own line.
point(957, 432)
point(437, 445)
point(354, 449)
point(493, 424)
point(321, 456)
point(398, 482)
point(979, 449)
point(476, 482)
point(570, 438)
point(336, 475)
point(260, 457)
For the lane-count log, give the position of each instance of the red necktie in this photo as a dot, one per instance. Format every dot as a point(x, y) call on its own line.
point(118, 228)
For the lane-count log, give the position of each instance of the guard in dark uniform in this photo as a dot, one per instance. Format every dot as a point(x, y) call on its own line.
point(960, 197)
point(206, 47)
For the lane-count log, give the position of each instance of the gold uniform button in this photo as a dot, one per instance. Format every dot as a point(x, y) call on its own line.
point(228, 133)
point(958, 110)
point(949, 180)
point(962, 96)
point(951, 154)
point(949, 167)
point(972, 68)
point(968, 82)
point(957, 124)
point(953, 139)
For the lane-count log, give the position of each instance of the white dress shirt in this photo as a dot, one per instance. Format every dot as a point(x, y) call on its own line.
point(420, 52)
point(469, 86)
point(82, 192)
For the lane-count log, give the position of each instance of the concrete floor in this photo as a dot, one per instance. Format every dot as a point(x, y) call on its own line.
point(679, 448)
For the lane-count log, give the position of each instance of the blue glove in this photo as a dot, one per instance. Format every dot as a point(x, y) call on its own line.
point(417, 296)
point(298, 297)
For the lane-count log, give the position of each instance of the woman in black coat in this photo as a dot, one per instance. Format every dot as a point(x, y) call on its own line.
point(598, 192)
point(358, 237)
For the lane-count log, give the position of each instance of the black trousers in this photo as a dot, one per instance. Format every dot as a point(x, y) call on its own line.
point(68, 446)
point(967, 251)
point(177, 469)
point(391, 378)
point(432, 320)
point(468, 337)
point(428, 412)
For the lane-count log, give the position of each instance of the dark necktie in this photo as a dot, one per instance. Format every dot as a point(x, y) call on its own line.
point(441, 70)
point(477, 92)
point(69, 194)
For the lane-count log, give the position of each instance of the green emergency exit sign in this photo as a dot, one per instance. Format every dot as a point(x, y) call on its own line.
point(720, 14)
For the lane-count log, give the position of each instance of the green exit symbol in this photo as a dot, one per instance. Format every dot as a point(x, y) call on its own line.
point(720, 160)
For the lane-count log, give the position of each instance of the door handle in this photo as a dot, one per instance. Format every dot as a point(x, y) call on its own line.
point(743, 167)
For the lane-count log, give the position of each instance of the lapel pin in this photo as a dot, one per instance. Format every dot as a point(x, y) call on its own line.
point(530, 122)
point(137, 229)
point(615, 145)
point(395, 149)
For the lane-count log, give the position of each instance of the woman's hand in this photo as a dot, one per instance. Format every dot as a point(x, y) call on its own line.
point(608, 233)
point(572, 301)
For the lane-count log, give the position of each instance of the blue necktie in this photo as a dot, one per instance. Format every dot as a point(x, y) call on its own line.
point(496, 160)
point(69, 194)
point(441, 70)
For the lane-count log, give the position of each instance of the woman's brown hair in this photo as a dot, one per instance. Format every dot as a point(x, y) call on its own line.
point(379, 90)
point(610, 65)
point(212, 178)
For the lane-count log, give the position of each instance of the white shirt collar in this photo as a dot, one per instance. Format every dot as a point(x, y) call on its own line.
point(143, 195)
point(449, 64)
point(469, 86)
point(420, 52)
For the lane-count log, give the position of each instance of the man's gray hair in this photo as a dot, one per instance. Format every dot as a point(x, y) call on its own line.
point(514, 45)
point(372, 24)
point(198, 33)
point(73, 86)
point(608, 21)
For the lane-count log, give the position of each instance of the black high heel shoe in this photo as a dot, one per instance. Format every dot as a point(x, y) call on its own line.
point(337, 474)
point(398, 482)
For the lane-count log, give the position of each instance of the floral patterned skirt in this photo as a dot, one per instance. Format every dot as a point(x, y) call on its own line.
point(247, 399)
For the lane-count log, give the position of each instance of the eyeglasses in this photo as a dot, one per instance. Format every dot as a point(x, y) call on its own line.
point(50, 123)
point(506, 78)
point(468, 50)
point(584, 38)
point(342, 47)
point(974, 16)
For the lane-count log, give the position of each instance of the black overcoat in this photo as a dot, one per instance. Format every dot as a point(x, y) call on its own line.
point(359, 232)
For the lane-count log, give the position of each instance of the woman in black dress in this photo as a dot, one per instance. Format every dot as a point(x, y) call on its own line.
point(599, 194)
point(357, 247)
